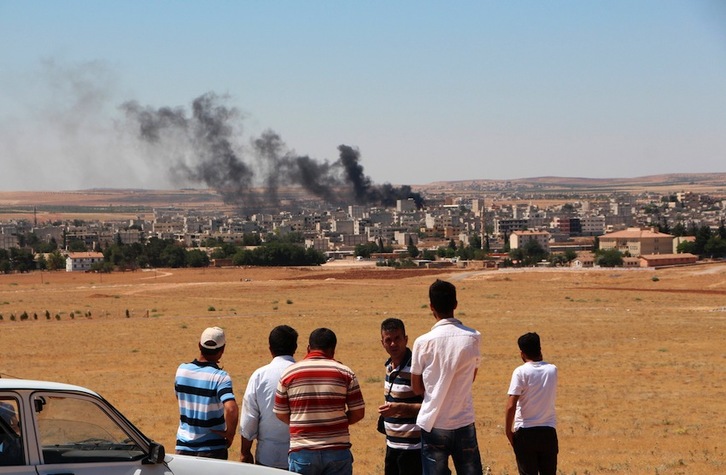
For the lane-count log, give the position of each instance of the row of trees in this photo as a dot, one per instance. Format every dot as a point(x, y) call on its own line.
point(274, 251)
point(707, 242)
point(156, 252)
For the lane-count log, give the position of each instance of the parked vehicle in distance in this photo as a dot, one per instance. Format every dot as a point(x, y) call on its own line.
point(52, 428)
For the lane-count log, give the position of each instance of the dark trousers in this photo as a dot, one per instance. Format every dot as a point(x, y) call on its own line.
point(536, 450)
point(403, 462)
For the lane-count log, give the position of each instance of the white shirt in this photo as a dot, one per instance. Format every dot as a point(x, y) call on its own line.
point(259, 422)
point(535, 382)
point(446, 358)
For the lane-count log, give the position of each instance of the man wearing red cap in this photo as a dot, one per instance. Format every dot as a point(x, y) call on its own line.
point(208, 412)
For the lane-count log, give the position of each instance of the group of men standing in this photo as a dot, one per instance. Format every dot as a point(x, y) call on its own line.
point(300, 412)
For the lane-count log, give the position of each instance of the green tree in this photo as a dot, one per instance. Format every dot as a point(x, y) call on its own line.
point(153, 249)
point(365, 250)
point(703, 234)
point(557, 260)
point(412, 249)
point(22, 260)
point(570, 255)
point(173, 256)
point(218, 253)
point(429, 255)
point(47, 247)
point(446, 252)
point(679, 229)
point(56, 261)
point(516, 256)
point(686, 247)
point(533, 253)
point(197, 258)
point(715, 247)
point(279, 254)
point(609, 258)
point(76, 245)
point(251, 239)
point(475, 241)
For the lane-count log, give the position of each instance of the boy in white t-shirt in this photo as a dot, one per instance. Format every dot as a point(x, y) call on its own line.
point(530, 420)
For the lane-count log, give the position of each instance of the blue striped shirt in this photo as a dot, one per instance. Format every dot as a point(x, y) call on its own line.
point(201, 390)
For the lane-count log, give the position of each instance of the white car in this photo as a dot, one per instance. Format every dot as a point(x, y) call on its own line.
point(53, 428)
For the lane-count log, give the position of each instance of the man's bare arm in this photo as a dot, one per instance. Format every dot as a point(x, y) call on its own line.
point(246, 451)
point(231, 420)
point(355, 415)
point(399, 409)
point(417, 384)
point(509, 417)
point(283, 417)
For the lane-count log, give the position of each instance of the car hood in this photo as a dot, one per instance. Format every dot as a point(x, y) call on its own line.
point(188, 465)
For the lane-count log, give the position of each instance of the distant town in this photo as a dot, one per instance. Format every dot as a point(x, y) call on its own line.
point(469, 227)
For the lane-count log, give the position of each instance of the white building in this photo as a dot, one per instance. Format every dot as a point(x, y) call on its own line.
point(518, 239)
point(82, 261)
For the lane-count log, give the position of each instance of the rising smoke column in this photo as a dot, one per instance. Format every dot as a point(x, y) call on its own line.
point(364, 192)
point(205, 148)
point(201, 148)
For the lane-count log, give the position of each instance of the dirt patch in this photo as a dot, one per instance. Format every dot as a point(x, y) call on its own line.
point(375, 274)
point(667, 291)
point(621, 340)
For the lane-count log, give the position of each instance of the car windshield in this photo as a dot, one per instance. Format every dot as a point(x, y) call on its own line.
point(71, 427)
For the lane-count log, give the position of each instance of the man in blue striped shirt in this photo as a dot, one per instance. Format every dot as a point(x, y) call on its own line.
point(208, 412)
point(403, 437)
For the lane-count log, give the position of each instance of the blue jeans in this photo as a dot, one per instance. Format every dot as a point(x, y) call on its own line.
point(459, 444)
point(321, 462)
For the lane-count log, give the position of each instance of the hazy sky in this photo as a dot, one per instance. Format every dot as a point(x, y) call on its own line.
point(426, 91)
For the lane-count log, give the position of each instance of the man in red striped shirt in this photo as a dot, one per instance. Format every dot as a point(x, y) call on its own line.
point(319, 398)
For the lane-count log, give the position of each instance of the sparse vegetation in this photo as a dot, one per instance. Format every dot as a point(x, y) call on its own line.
point(585, 318)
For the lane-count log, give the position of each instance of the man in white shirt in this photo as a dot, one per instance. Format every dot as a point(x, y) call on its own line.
point(445, 363)
point(258, 421)
point(530, 421)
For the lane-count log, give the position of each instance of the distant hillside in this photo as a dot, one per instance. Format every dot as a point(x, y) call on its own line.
point(673, 182)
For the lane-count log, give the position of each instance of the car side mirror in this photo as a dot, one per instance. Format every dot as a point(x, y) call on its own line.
point(156, 453)
point(39, 402)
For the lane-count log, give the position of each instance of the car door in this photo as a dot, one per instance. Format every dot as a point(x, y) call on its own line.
point(81, 435)
point(13, 447)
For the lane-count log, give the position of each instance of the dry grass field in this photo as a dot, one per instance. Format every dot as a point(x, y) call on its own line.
point(641, 353)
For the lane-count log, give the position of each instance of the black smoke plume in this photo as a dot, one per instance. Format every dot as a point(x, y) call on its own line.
point(205, 147)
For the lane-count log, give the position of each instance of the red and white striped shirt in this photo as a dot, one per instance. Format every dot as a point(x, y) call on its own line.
point(316, 392)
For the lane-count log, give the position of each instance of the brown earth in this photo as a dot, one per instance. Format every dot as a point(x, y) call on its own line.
point(640, 352)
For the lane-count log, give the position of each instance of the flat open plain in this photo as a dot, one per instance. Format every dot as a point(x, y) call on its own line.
point(641, 353)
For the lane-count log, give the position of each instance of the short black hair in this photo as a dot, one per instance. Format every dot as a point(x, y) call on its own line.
point(529, 344)
point(442, 296)
point(391, 324)
point(283, 340)
point(210, 351)
point(322, 339)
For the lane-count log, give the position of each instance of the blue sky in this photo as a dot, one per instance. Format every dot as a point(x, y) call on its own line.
point(426, 91)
